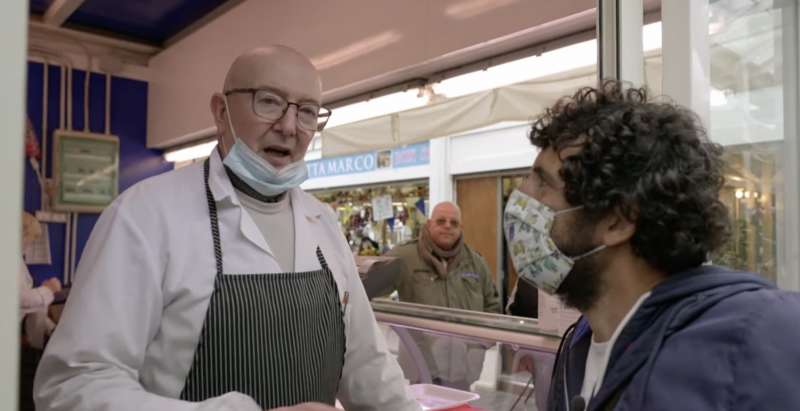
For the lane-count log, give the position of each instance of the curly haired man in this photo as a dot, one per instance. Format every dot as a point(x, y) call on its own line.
point(618, 218)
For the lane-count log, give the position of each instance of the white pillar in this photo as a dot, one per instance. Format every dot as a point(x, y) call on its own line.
point(619, 34)
point(789, 228)
point(685, 51)
point(631, 61)
point(13, 43)
point(441, 181)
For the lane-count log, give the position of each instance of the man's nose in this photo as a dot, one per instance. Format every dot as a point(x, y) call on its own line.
point(287, 124)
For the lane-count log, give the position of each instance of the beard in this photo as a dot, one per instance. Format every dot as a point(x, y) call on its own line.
point(584, 284)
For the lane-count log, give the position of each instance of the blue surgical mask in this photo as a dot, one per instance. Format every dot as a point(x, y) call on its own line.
point(257, 172)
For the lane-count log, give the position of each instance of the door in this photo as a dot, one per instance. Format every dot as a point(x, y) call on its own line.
point(478, 200)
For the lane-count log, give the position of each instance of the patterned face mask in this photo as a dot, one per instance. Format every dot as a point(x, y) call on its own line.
point(527, 224)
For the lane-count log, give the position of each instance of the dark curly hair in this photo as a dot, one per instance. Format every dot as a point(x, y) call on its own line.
point(651, 160)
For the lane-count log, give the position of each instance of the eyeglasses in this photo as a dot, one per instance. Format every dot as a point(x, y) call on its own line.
point(442, 222)
point(272, 107)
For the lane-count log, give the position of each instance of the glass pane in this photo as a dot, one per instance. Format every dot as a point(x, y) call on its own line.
point(505, 376)
point(747, 117)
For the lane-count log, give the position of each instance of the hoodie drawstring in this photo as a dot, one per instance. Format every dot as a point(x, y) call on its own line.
point(561, 348)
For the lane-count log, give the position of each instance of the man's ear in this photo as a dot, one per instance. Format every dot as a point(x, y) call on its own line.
point(616, 228)
point(219, 112)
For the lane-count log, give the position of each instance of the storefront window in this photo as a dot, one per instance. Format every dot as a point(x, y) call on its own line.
point(748, 82)
point(375, 219)
point(749, 194)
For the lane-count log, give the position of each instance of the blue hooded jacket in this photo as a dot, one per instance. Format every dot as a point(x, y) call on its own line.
point(706, 339)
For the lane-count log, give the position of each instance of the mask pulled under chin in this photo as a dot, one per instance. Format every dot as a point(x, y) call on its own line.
point(257, 172)
point(262, 176)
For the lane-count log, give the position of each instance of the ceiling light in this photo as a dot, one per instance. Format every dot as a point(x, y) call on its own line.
point(190, 153)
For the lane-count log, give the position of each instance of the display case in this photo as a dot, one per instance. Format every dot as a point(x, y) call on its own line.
point(506, 360)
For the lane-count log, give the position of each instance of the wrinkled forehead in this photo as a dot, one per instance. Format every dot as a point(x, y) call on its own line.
point(287, 73)
point(448, 212)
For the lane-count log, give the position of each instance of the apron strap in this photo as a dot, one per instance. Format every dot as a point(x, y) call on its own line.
point(321, 259)
point(212, 211)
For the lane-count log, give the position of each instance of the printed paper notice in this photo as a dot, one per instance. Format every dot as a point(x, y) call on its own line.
point(382, 207)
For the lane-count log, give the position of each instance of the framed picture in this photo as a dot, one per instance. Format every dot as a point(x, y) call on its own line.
point(385, 159)
point(86, 171)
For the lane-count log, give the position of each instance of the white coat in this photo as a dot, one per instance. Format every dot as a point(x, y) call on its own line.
point(127, 337)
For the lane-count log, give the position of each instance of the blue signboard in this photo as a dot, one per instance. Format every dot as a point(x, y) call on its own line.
point(411, 155)
point(336, 166)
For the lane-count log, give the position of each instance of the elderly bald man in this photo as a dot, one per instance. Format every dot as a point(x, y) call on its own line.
point(222, 285)
point(442, 270)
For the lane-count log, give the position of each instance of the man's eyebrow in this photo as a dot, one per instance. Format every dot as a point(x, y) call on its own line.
point(549, 178)
point(283, 94)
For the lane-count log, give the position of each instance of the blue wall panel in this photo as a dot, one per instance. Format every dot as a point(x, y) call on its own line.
point(128, 122)
point(40, 6)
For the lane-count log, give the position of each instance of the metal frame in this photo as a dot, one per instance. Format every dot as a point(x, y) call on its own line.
point(789, 229)
point(491, 321)
point(58, 136)
point(608, 47)
point(619, 40)
point(518, 340)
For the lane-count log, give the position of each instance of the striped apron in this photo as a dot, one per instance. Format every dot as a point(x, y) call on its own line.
point(277, 337)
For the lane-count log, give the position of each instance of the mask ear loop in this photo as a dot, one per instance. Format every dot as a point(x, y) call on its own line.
point(588, 253)
point(567, 210)
point(230, 124)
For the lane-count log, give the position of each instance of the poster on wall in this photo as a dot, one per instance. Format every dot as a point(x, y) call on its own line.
point(382, 207)
point(86, 171)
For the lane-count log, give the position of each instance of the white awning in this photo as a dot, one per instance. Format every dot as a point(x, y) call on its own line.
point(517, 102)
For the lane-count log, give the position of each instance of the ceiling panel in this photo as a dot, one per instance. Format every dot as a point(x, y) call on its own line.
point(149, 21)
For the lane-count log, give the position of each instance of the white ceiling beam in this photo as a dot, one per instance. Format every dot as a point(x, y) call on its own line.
point(82, 43)
point(60, 10)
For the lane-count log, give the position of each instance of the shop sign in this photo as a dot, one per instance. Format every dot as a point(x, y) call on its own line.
point(336, 166)
point(408, 156)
